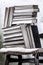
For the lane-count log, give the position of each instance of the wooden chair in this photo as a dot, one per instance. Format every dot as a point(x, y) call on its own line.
point(16, 43)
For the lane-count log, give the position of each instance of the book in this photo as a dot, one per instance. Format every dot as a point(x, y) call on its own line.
point(6, 17)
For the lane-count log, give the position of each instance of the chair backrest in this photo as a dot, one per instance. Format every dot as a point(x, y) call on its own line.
point(15, 36)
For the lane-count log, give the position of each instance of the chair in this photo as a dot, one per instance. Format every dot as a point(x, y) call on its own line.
point(16, 43)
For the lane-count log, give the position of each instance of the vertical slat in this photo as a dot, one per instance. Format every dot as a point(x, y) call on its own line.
point(25, 36)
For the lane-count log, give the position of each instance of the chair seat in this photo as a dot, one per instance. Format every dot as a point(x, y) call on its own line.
point(18, 50)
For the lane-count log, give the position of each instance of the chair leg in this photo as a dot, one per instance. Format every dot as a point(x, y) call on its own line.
point(19, 58)
point(7, 60)
point(19, 63)
point(36, 59)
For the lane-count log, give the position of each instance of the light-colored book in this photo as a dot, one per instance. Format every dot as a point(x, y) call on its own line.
point(6, 17)
point(17, 49)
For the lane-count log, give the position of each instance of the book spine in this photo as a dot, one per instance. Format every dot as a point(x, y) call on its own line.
point(6, 17)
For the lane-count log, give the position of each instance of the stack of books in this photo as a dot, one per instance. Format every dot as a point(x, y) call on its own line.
point(25, 15)
point(20, 14)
